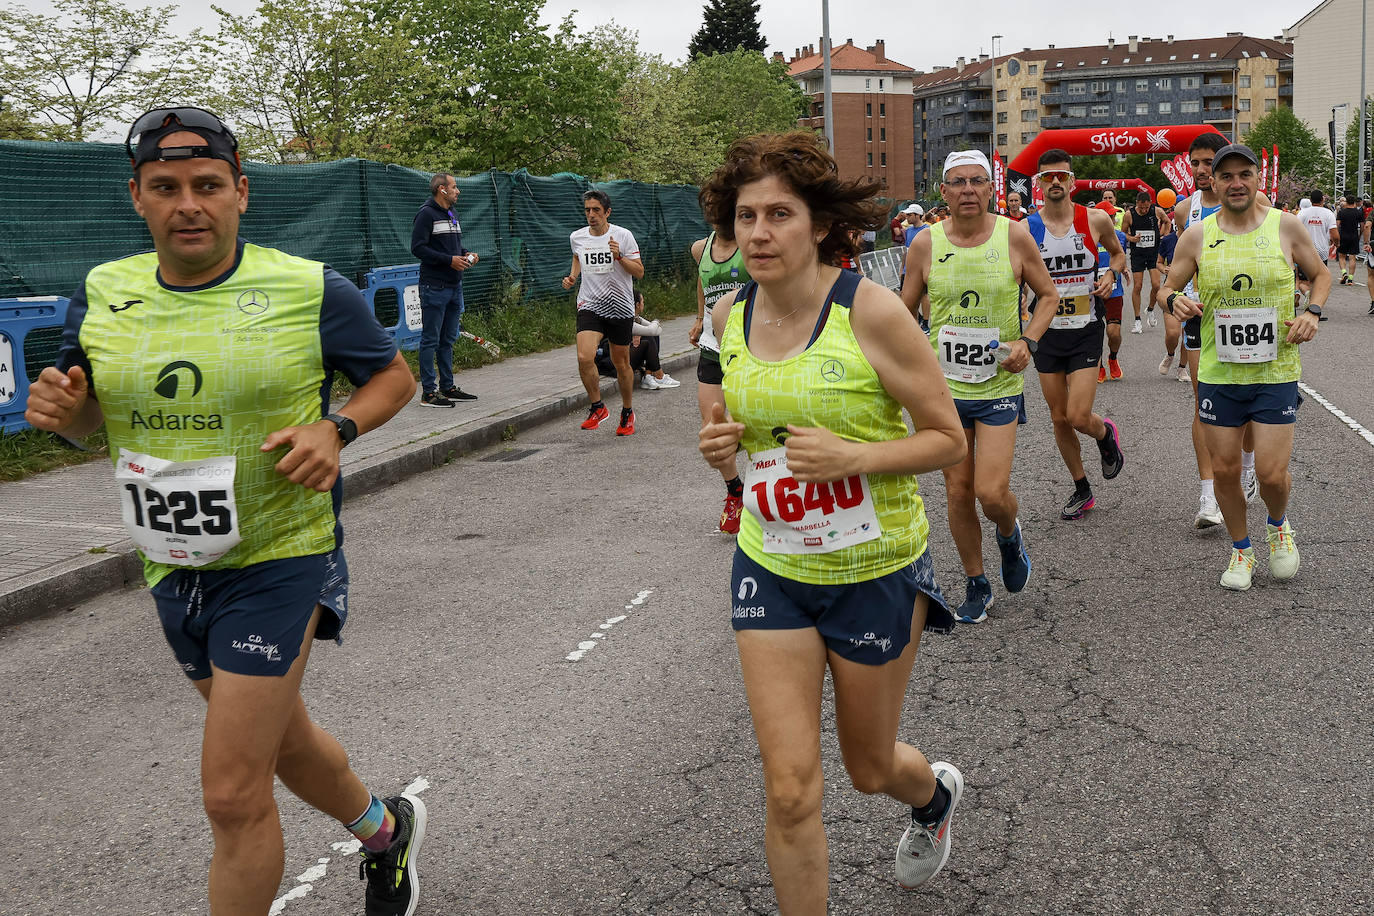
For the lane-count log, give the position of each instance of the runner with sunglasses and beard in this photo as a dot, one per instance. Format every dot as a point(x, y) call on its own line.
point(212, 379)
point(1069, 353)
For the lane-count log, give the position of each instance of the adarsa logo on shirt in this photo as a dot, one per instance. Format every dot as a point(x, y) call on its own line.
point(160, 419)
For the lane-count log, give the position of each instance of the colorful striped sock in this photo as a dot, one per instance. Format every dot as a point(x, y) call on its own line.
point(376, 827)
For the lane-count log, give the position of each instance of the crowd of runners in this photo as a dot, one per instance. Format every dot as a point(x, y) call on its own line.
point(807, 375)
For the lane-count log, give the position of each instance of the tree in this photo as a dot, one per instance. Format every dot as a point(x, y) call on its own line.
point(320, 80)
point(95, 64)
point(728, 25)
point(1352, 148)
point(1301, 152)
point(679, 120)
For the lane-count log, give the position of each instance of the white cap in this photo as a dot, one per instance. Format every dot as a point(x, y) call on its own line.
point(1304, 203)
point(967, 157)
point(914, 208)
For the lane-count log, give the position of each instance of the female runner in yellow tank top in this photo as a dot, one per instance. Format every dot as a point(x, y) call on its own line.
point(832, 567)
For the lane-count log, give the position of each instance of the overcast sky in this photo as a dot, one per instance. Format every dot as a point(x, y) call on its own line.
point(914, 35)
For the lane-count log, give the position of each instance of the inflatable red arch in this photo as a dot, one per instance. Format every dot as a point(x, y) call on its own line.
point(1101, 141)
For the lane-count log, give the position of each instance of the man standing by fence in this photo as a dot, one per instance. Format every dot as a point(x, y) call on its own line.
point(606, 258)
point(437, 240)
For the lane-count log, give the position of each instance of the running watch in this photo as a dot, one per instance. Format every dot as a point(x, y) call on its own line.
point(348, 430)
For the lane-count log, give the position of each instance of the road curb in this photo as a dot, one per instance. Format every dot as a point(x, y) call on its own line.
point(57, 588)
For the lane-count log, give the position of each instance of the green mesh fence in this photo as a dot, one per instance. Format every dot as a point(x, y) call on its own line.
point(64, 207)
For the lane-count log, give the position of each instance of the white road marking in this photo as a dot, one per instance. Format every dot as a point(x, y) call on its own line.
point(306, 879)
point(588, 644)
point(1339, 414)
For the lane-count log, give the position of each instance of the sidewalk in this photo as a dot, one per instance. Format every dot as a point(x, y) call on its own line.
point(61, 539)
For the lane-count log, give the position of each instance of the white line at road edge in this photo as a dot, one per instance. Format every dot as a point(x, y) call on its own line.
point(1341, 415)
point(306, 879)
point(588, 644)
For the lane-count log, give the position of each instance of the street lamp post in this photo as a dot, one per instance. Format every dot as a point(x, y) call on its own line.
point(1364, 106)
point(825, 76)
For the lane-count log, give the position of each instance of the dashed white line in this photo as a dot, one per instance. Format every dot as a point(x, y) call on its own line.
point(1339, 414)
point(587, 645)
point(305, 881)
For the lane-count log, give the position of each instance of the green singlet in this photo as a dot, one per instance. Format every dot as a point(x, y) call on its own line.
point(974, 288)
point(720, 277)
point(1243, 277)
point(830, 384)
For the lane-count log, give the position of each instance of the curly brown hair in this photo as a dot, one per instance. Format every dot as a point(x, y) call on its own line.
point(801, 161)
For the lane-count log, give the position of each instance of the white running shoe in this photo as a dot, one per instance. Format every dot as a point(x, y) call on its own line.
point(648, 383)
point(1283, 551)
point(1208, 514)
point(1240, 571)
point(1183, 372)
point(668, 381)
point(1135, 328)
point(1166, 364)
point(1249, 484)
point(1152, 317)
point(923, 850)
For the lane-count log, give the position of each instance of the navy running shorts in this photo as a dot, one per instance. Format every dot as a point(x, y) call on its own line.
point(866, 622)
point(1236, 405)
point(992, 412)
point(252, 620)
point(708, 367)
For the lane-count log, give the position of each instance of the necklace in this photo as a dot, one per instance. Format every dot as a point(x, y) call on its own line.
point(773, 322)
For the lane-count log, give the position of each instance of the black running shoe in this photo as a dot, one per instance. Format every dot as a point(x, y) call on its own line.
point(1076, 506)
point(454, 393)
point(1110, 447)
point(393, 885)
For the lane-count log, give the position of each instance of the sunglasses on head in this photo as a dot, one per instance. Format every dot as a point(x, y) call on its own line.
point(186, 117)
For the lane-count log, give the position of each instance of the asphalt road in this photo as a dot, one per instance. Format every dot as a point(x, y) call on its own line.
point(1134, 739)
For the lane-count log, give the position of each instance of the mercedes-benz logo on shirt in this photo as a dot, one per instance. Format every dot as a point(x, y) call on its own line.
point(832, 370)
point(253, 302)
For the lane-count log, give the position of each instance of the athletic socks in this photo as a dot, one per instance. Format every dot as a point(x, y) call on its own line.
point(375, 828)
point(1112, 354)
point(1081, 488)
point(734, 487)
point(1278, 524)
point(1247, 461)
point(1208, 490)
point(930, 813)
point(1242, 544)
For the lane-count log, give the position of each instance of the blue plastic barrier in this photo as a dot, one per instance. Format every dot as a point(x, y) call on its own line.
point(404, 282)
point(18, 319)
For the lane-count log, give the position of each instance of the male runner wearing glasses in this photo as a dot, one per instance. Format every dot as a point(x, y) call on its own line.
point(1067, 358)
point(209, 361)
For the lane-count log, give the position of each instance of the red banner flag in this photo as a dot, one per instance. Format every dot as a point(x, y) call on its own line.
point(1185, 172)
point(1170, 171)
point(1274, 186)
point(1264, 170)
point(999, 183)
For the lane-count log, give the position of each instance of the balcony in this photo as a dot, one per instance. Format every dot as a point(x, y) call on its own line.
point(1211, 115)
point(979, 126)
point(979, 105)
point(1218, 90)
point(1286, 91)
point(1051, 98)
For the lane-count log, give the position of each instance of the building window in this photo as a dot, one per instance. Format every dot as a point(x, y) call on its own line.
point(868, 84)
point(1142, 85)
point(870, 160)
point(1244, 81)
point(1030, 92)
point(1001, 95)
point(868, 110)
point(999, 73)
point(1142, 108)
point(1120, 109)
point(1244, 128)
point(1120, 85)
point(1189, 82)
point(1001, 117)
point(884, 160)
point(1166, 107)
point(870, 135)
point(1102, 110)
point(1027, 136)
point(1243, 104)
point(1034, 69)
point(1099, 85)
point(882, 109)
point(1029, 114)
point(1269, 104)
point(1001, 139)
point(1166, 82)
point(1192, 107)
point(1075, 111)
point(882, 134)
point(1076, 88)
point(1271, 81)
point(880, 84)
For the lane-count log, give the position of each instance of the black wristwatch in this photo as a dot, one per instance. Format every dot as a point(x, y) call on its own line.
point(1169, 302)
point(1314, 309)
point(348, 430)
point(1031, 344)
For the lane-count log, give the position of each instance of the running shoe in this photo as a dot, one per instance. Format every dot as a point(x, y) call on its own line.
point(729, 516)
point(1249, 483)
point(924, 848)
point(1208, 514)
point(649, 383)
point(627, 423)
point(596, 416)
point(977, 600)
point(454, 393)
point(434, 399)
point(393, 885)
point(1101, 374)
point(1240, 571)
point(1114, 367)
point(1183, 372)
point(1152, 317)
point(1136, 328)
point(1371, 308)
point(1110, 450)
point(1076, 506)
point(1016, 563)
point(1283, 551)
point(668, 382)
point(1166, 364)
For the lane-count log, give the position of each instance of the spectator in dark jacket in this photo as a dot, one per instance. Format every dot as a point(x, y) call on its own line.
point(437, 240)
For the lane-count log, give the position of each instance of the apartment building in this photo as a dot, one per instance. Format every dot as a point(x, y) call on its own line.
point(872, 111)
point(1326, 61)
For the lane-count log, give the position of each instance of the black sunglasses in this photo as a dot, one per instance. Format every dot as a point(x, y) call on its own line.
point(186, 117)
